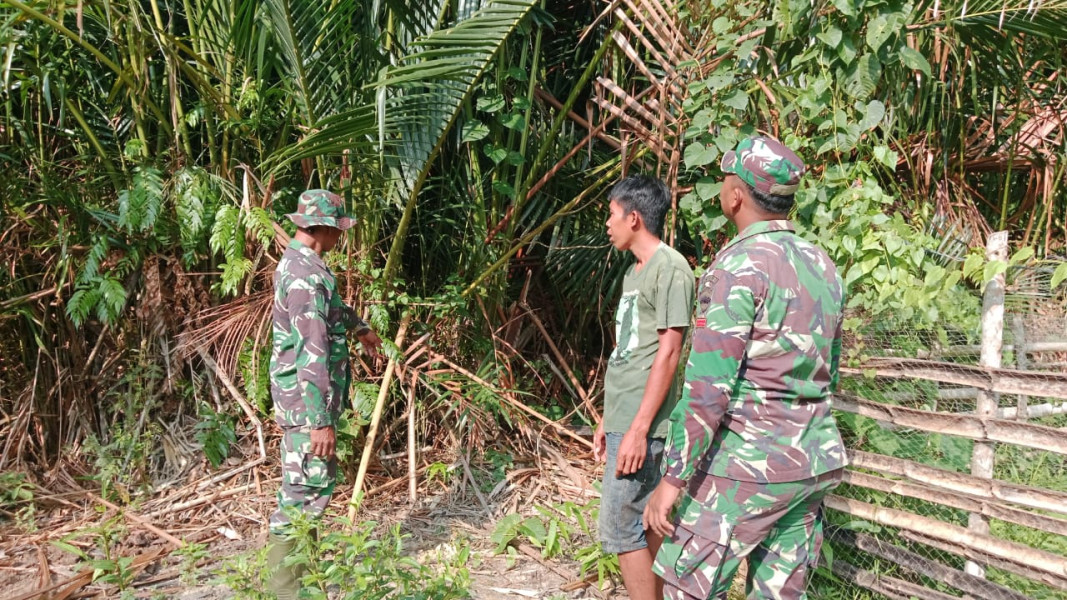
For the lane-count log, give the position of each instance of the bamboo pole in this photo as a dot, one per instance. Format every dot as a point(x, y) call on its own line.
point(1038, 560)
point(975, 427)
point(1034, 411)
point(890, 587)
point(376, 417)
point(976, 349)
point(951, 481)
point(978, 588)
point(982, 506)
point(1044, 384)
point(1018, 334)
point(1016, 567)
point(412, 456)
point(982, 457)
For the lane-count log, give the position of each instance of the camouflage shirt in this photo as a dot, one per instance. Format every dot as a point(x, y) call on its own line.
point(309, 370)
point(766, 345)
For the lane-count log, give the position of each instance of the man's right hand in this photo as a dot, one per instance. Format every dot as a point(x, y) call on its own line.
point(600, 444)
point(323, 442)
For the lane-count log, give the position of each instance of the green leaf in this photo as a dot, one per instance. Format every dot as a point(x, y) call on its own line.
point(474, 131)
point(721, 25)
point(718, 81)
point(873, 114)
point(698, 155)
point(831, 38)
point(848, 7)
point(1059, 275)
point(886, 156)
point(992, 269)
point(690, 203)
point(707, 188)
point(1021, 256)
point(513, 121)
point(69, 548)
point(259, 222)
point(737, 100)
point(863, 77)
point(914, 60)
point(516, 73)
point(878, 31)
point(495, 154)
point(490, 104)
point(716, 224)
point(972, 264)
point(504, 188)
point(847, 50)
point(849, 244)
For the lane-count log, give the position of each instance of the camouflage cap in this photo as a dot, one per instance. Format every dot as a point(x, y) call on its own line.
point(321, 207)
point(765, 164)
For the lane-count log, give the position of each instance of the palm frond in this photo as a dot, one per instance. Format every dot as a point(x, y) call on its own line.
point(318, 47)
point(433, 81)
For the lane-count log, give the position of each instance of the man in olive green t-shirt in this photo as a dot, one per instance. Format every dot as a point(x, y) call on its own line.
point(641, 385)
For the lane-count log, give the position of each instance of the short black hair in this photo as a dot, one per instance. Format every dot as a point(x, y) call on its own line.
point(647, 196)
point(772, 203)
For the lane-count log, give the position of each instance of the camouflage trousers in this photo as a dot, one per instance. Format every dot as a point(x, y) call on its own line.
point(721, 522)
point(307, 480)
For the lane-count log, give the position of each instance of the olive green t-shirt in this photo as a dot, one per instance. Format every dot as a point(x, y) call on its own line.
point(659, 296)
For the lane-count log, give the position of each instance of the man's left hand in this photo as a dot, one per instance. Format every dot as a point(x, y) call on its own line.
point(371, 343)
point(632, 451)
point(657, 517)
point(323, 442)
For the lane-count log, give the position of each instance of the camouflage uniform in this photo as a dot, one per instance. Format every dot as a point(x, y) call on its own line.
point(309, 370)
point(752, 437)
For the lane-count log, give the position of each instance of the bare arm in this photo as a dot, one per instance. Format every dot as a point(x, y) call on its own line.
point(633, 448)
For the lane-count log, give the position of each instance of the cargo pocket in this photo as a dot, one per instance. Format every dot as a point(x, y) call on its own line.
point(693, 559)
point(316, 471)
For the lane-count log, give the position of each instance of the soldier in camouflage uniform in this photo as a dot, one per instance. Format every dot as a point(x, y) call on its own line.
point(752, 440)
point(309, 371)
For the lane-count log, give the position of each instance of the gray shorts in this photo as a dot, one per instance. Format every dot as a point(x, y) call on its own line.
point(623, 499)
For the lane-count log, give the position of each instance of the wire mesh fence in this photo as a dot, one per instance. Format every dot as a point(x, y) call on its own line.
point(958, 481)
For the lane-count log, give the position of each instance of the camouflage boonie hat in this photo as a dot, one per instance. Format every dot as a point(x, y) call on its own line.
point(321, 207)
point(765, 164)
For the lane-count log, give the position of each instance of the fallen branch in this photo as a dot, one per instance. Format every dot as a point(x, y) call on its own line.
point(512, 401)
point(247, 408)
point(474, 485)
point(143, 522)
point(69, 586)
point(376, 417)
point(583, 395)
point(206, 499)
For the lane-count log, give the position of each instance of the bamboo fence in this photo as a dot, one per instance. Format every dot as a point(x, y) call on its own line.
point(957, 484)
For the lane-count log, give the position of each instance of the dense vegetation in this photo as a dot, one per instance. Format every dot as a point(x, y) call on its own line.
point(150, 148)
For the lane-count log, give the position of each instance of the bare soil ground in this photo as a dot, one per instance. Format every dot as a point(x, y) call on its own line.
point(40, 558)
